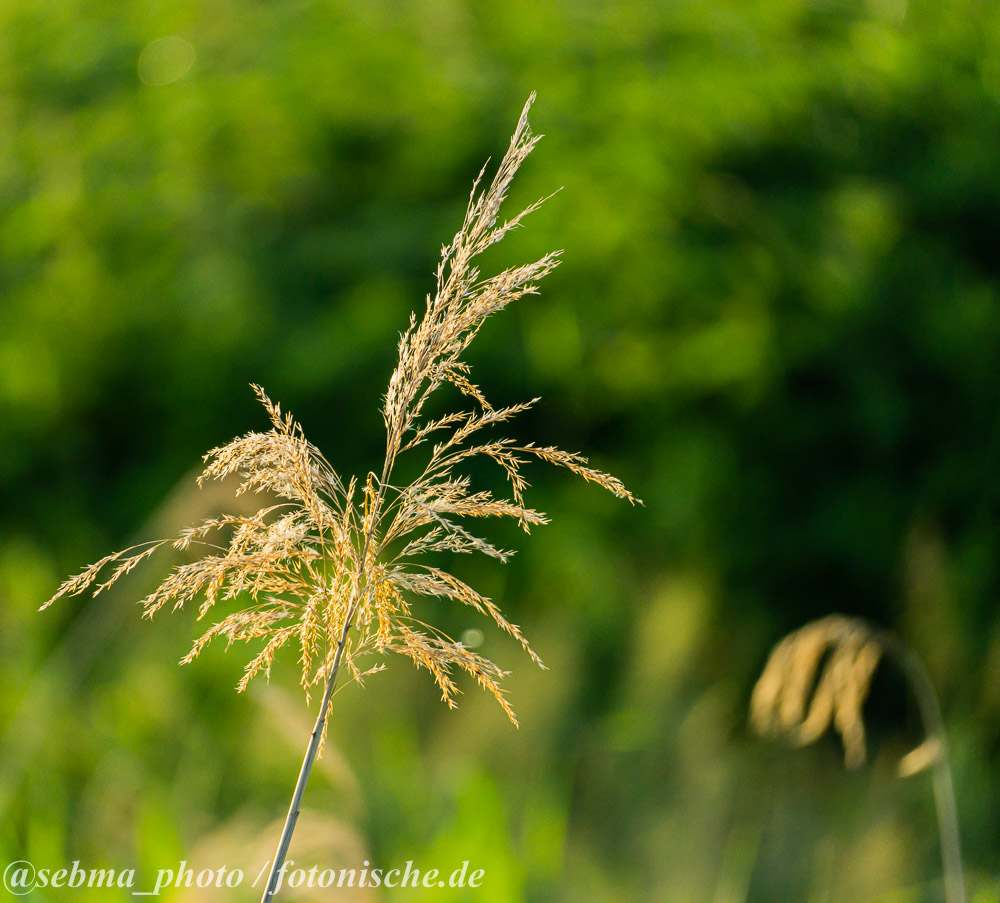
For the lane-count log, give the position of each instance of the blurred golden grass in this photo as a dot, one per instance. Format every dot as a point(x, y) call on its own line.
point(791, 700)
point(325, 843)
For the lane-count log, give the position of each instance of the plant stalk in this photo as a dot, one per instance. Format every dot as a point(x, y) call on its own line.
point(271, 888)
point(944, 788)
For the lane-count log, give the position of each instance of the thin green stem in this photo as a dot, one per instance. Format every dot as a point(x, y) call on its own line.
point(944, 788)
point(271, 888)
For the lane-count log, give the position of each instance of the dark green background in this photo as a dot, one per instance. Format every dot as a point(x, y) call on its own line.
point(777, 321)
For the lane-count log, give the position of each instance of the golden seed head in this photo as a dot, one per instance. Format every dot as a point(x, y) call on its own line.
point(818, 677)
point(327, 566)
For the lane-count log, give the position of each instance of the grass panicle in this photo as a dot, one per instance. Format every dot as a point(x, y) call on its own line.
point(820, 675)
point(335, 566)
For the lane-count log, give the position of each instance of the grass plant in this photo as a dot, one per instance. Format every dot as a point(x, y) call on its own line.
point(336, 565)
point(819, 677)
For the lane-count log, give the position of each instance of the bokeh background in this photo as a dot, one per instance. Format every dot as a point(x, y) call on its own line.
point(777, 321)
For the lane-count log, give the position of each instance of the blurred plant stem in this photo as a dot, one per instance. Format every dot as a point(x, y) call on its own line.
point(937, 748)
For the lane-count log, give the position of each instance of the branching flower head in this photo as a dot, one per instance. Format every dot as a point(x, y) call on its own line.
point(334, 566)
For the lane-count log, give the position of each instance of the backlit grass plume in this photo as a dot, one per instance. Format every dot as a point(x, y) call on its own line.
point(334, 565)
point(819, 676)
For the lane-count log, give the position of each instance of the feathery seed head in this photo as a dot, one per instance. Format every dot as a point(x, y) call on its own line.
point(328, 570)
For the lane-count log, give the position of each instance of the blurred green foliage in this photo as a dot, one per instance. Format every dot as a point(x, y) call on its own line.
point(778, 321)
